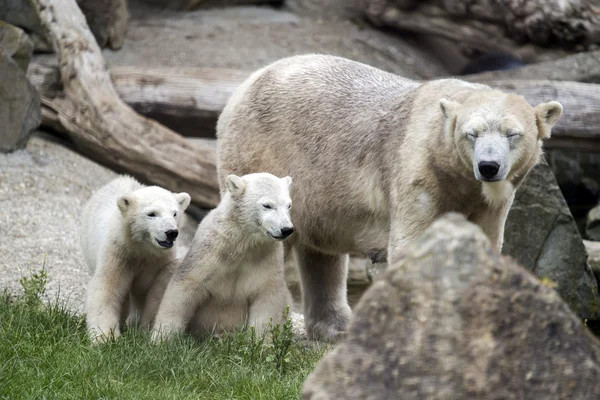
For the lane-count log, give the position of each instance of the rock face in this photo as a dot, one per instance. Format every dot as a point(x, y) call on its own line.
point(19, 106)
point(16, 44)
point(21, 13)
point(454, 320)
point(543, 237)
point(107, 20)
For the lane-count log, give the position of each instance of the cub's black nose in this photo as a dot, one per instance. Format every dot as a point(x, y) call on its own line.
point(172, 234)
point(488, 169)
point(285, 232)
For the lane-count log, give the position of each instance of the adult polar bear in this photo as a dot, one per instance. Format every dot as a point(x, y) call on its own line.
point(375, 159)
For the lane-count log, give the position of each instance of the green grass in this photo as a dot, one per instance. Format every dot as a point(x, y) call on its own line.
point(45, 354)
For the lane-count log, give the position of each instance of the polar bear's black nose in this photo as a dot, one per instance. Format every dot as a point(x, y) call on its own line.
point(488, 169)
point(285, 232)
point(172, 234)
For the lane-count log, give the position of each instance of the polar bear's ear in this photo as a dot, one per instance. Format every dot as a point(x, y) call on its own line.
point(288, 181)
point(449, 107)
point(546, 115)
point(183, 199)
point(235, 185)
point(124, 202)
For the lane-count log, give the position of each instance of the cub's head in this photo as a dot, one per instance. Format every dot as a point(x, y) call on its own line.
point(152, 215)
point(262, 201)
point(499, 135)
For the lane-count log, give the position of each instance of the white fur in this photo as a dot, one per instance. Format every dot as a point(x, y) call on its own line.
point(497, 194)
point(120, 245)
point(233, 273)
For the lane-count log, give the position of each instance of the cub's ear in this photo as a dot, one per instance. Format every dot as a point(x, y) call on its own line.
point(183, 199)
point(124, 202)
point(449, 107)
point(235, 185)
point(288, 181)
point(546, 115)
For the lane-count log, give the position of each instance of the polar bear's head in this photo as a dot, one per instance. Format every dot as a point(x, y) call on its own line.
point(152, 215)
point(499, 135)
point(263, 201)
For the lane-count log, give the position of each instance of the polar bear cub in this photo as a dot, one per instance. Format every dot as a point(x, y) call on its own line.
point(127, 237)
point(233, 273)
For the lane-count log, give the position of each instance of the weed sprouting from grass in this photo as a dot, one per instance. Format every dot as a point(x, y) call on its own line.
point(45, 353)
point(34, 286)
point(282, 337)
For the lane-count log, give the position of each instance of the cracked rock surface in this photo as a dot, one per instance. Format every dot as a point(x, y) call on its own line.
point(455, 320)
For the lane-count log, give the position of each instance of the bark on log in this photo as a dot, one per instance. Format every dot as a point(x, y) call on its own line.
point(527, 29)
point(194, 97)
point(187, 100)
point(103, 127)
point(581, 67)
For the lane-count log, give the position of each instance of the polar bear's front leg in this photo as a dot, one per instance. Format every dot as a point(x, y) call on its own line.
point(268, 304)
point(107, 292)
point(154, 298)
point(180, 300)
point(326, 309)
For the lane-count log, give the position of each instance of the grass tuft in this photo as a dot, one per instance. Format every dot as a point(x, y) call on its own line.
point(45, 353)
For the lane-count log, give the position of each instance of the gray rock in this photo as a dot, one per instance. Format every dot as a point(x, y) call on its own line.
point(19, 105)
point(578, 175)
point(454, 320)
point(592, 227)
point(16, 44)
point(21, 13)
point(543, 237)
point(107, 20)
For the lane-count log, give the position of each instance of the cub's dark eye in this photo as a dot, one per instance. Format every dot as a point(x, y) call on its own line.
point(290, 207)
point(152, 214)
point(267, 206)
point(175, 214)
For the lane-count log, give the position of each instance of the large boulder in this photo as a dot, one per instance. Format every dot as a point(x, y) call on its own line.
point(107, 20)
point(19, 105)
point(16, 44)
point(22, 13)
point(543, 237)
point(455, 320)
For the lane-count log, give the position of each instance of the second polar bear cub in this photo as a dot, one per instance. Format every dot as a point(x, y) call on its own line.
point(233, 273)
point(128, 235)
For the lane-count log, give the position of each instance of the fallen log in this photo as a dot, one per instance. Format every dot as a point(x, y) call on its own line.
point(532, 30)
point(91, 114)
point(190, 100)
point(187, 100)
point(581, 67)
